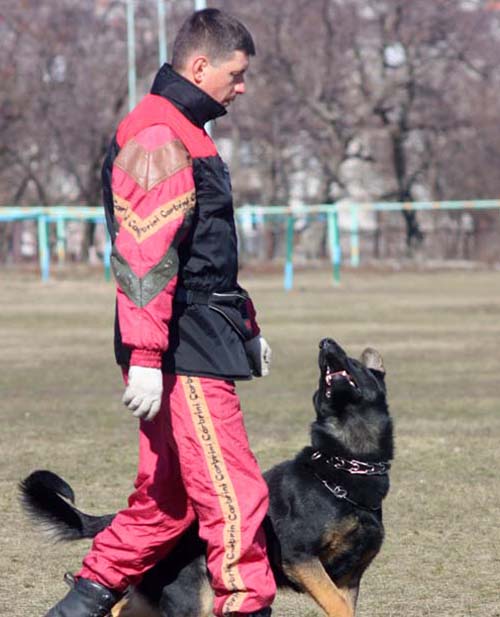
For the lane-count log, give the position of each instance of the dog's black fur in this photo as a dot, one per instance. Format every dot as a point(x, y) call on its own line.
point(324, 525)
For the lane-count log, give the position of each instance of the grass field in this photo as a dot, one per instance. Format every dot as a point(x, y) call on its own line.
point(439, 334)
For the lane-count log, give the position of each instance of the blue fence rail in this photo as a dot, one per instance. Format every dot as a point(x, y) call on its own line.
point(331, 211)
point(60, 215)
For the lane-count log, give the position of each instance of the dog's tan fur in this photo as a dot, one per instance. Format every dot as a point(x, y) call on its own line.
point(135, 605)
point(312, 577)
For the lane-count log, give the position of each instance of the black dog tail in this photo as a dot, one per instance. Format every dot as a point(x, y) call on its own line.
point(49, 501)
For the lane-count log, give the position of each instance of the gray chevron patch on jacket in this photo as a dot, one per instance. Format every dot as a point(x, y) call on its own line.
point(141, 290)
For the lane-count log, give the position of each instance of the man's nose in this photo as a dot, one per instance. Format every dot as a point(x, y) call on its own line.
point(240, 88)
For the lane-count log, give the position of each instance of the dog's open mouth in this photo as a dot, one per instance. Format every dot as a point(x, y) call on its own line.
point(333, 378)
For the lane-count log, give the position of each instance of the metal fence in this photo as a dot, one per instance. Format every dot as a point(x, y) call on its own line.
point(357, 233)
point(352, 233)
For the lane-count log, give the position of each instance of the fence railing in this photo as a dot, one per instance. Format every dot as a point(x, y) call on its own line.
point(331, 211)
point(60, 215)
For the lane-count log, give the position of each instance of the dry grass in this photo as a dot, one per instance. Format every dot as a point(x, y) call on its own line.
point(439, 334)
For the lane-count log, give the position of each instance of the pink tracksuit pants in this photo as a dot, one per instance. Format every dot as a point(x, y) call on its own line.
point(194, 462)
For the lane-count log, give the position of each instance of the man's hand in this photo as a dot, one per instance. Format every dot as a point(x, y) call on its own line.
point(144, 390)
point(259, 356)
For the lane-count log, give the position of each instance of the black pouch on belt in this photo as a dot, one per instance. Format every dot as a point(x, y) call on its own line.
point(232, 305)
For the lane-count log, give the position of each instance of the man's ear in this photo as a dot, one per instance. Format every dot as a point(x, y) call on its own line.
point(198, 68)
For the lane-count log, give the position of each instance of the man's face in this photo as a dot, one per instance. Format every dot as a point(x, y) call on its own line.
point(224, 80)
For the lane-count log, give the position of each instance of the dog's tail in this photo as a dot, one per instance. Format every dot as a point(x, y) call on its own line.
point(49, 501)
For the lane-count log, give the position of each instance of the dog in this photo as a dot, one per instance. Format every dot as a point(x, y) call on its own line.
point(324, 525)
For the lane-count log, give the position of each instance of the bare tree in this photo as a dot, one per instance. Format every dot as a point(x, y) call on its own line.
point(403, 92)
point(386, 83)
point(415, 62)
point(65, 77)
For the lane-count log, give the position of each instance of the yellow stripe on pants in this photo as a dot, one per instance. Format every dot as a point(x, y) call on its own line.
point(221, 480)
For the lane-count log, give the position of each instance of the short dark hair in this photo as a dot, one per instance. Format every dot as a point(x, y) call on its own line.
point(215, 33)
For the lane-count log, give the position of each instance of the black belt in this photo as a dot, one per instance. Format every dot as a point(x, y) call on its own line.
point(218, 298)
point(188, 296)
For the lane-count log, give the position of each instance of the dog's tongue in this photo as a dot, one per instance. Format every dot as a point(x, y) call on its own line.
point(333, 376)
point(336, 375)
point(339, 375)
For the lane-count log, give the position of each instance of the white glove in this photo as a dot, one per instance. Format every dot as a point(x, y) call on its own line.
point(144, 390)
point(259, 356)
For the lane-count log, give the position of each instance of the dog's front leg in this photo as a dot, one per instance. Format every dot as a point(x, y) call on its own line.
point(118, 608)
point(134, 605)
point(353, 595)
point(312, 577)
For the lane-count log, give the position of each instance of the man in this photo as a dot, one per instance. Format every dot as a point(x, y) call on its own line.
point(184, 332)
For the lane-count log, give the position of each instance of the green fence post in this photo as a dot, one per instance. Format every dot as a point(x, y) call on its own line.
point(288, 280)
point(43, 247)
point(162, 32)
point(132, 76)
point(107, 257)
point(354, 235)
point(334, 242)
point(61, 239)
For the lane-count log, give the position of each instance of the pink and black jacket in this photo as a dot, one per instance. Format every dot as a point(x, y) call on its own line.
point(168, 202)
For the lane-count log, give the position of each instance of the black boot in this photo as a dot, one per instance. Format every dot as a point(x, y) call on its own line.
point(264, 612)
point(85, 599)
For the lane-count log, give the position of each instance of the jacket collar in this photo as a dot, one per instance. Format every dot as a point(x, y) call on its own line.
point(190, 100)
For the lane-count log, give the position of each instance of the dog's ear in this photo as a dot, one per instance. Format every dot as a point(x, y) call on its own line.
point(373, 360)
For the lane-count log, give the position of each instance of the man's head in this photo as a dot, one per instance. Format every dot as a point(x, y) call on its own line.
point(212, 50)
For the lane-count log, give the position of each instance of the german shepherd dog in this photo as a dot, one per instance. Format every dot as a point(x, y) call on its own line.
point(324, 525)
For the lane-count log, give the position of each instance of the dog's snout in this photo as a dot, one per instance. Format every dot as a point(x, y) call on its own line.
point(326, 342)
